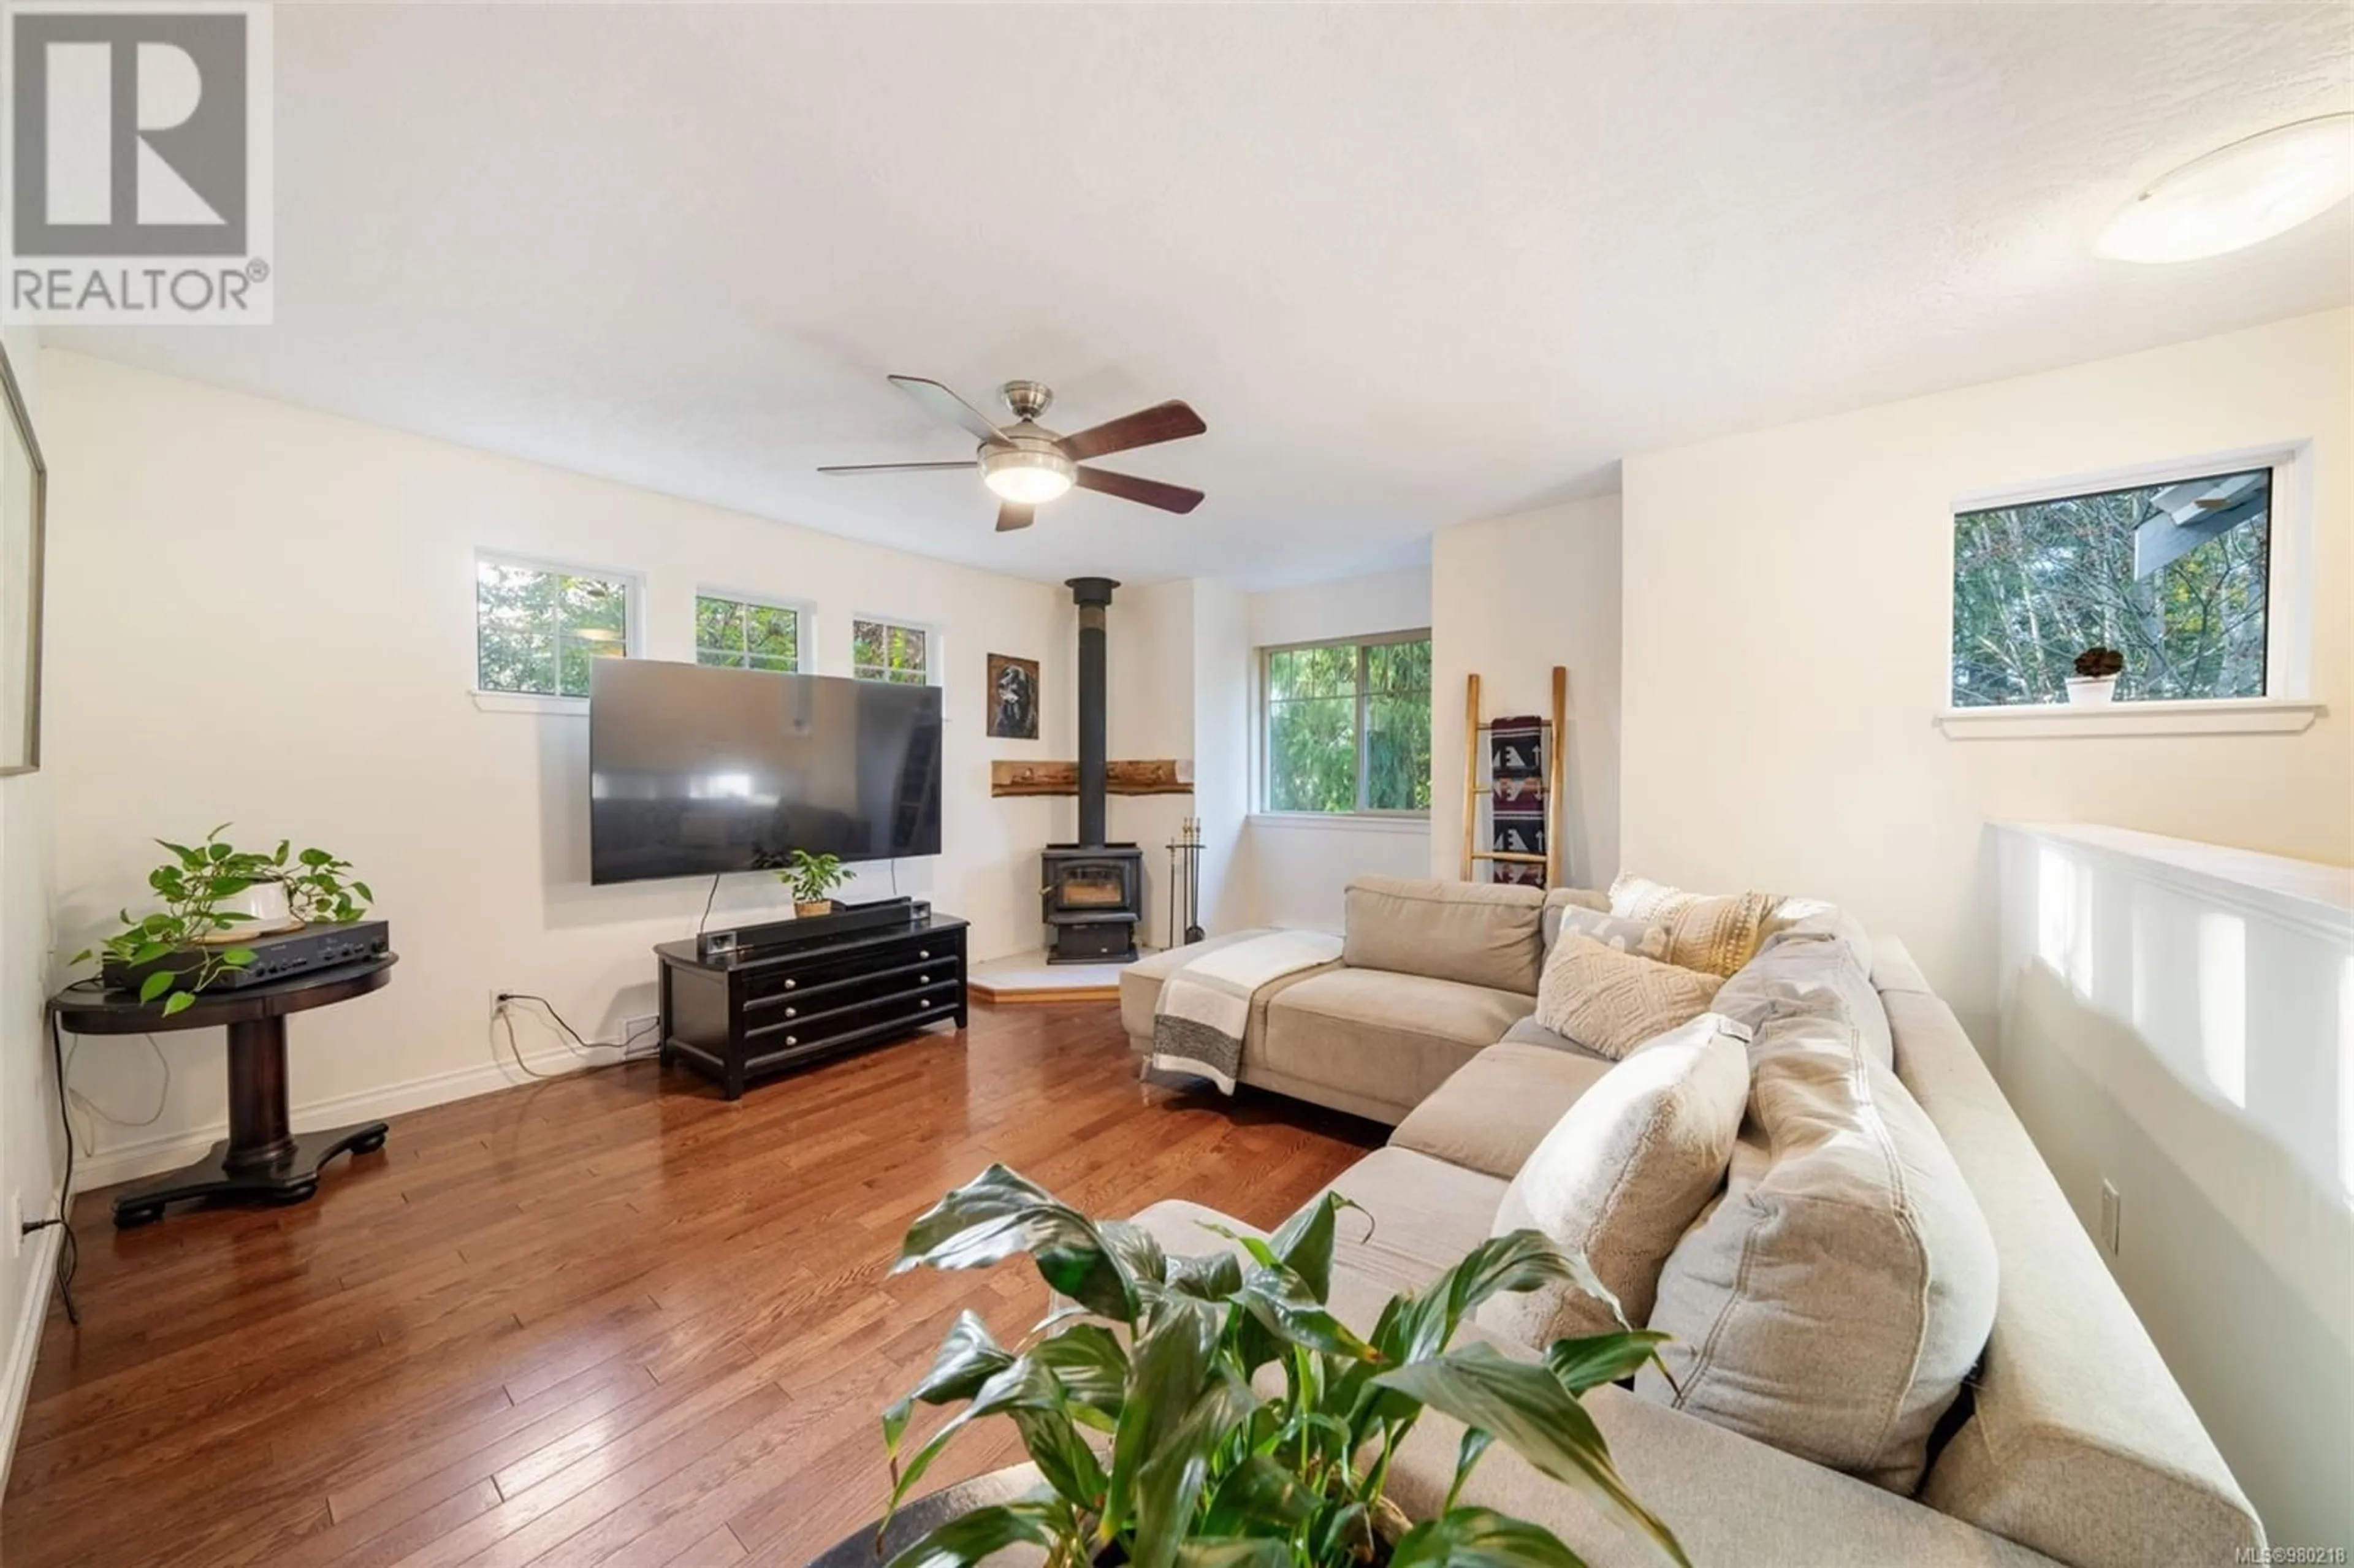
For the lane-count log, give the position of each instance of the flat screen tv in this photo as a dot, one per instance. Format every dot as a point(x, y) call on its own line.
point(695, 770)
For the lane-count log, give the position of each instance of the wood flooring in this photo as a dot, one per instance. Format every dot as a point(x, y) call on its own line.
point(608, 1319)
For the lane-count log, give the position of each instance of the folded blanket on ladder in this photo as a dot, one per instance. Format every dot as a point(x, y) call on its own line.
point(1204, 1006)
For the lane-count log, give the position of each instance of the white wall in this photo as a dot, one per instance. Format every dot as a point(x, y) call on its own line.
point(1512, 598)
point(2179, 1023)
point(1786, 598)
point(1298, 865)
point(1347, 607)
point(32, 1149)
point(1222, 753)
point(317, 574)
point(1149, 684)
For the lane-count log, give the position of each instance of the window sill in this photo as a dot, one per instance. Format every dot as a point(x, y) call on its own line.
point(1343, 822)
point(529, 703)
point(2255, 715)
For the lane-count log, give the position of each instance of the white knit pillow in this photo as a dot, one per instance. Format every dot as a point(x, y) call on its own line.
point(1611, 1001)
point(1622, 1175)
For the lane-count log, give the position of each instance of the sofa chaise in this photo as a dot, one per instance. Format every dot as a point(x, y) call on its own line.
point(1431, 973)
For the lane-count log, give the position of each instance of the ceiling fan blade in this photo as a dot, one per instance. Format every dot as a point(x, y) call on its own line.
point(1127, 487)
point(1170, 421)
point(950, 407)
point(1012, 514)
point(896, 467)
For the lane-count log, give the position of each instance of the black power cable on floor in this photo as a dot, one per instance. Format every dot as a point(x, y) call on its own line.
point(68, 1249)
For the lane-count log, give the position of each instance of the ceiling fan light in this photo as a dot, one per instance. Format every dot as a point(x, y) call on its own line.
point(1027, 477)
point(2238, 196)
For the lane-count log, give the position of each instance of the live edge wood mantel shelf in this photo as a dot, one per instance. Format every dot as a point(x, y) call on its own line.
point(1160, 775)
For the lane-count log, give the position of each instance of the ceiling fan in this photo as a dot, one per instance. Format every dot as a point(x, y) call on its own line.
point(1024, 464)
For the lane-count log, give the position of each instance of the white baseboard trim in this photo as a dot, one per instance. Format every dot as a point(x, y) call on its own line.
point(153, 1155)
point(40, 1258)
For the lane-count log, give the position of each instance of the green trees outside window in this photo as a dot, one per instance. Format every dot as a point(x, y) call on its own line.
point(2172, 576)
point(744, 634)
point(537, 629)
point(881, 651)
point(1348, 725)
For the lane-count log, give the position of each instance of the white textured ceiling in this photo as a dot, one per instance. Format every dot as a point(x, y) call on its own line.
point(1413, 265)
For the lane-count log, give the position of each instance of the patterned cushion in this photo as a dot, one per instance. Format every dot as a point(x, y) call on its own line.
point(1611, 1001)
point(1713, 933)
point(1645, 939)
point(1621, 1175)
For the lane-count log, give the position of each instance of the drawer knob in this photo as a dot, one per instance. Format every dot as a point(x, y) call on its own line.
point(923, 979)
point(792, 1012)
point(793, 1039)
point(791, 984)
point(923, 952)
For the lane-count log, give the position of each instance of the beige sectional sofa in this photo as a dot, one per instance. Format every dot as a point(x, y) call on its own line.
point(2069, 1442)
point(1431, 973)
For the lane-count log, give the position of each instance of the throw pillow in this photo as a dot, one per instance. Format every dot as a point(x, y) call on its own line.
point(1642, 937)
point(1716, 933)
point(1611, 1001)
point(1831, 1303)
point(1621, 1176)
point(1558, 899)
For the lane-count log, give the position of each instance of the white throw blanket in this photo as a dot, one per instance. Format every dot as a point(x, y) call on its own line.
point(1205, 1008)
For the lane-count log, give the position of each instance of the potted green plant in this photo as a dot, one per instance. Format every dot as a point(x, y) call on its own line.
point(813, 878)
point(2096, 680)
point(1197, 1460)
point(213, 896)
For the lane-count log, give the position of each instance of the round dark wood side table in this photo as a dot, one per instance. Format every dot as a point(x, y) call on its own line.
point(264, 1158)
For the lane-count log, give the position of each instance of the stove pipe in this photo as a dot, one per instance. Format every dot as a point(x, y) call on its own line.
point(1091, 595)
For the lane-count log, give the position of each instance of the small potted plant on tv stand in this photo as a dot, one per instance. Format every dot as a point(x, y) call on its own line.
point(813, 878)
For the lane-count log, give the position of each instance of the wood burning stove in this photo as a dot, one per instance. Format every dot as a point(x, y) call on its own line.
point(1092, 896)
point(1092, 899)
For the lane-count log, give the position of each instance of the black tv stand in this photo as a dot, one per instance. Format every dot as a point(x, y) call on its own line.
point(735, 1018)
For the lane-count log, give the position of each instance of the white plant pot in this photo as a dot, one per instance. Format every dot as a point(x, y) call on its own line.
point(264, 903)
point(2086, 691)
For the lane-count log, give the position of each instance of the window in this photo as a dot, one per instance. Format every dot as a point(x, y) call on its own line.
point(2175, 577)
point(747, 634)
point(885, 651)
point(536, 627)
point(1348, 725)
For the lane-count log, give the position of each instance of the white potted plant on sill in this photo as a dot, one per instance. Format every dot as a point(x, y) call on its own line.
point(2096, 680)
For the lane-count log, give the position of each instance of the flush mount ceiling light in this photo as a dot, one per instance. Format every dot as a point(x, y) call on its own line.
point(2238, 196)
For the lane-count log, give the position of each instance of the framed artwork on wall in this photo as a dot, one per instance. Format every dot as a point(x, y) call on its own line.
point(1012, 697)
point(24, 495)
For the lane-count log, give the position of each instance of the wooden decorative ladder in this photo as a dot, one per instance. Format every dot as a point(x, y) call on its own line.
point(1556, 802)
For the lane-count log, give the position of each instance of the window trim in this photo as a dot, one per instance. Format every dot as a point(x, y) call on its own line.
point(804, 625)
point(933, 662)
point(1264, 785)
point(633, 630)
point(2288, 608)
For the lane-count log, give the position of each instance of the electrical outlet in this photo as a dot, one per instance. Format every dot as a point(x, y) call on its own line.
point(2110, 1205)
point(642, 1036)
point(16, 1223)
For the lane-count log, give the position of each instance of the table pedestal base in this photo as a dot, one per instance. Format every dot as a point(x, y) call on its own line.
point(287, 1178)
